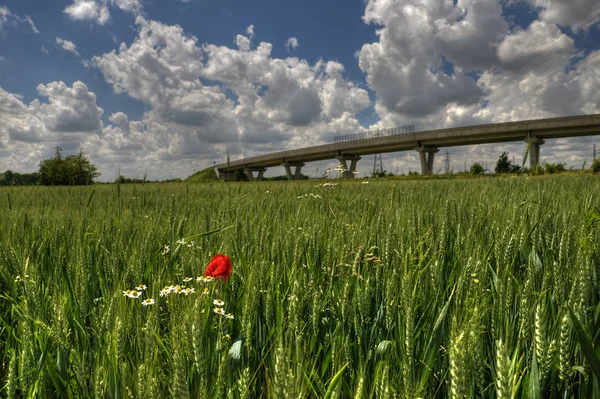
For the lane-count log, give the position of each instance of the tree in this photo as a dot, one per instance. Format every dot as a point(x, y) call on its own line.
point(477, 169)
point(596, 165)
point(552, 168)
point(505, 166)
point(72, 170)
point(8, 178)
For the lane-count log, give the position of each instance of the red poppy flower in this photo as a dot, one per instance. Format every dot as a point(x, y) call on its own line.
point(219, 266)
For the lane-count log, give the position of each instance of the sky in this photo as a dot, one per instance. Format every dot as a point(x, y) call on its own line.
point(164, 88)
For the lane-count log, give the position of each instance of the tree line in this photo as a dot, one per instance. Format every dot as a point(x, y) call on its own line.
point(72, 170)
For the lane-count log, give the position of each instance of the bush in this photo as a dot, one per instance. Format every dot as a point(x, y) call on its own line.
point(477, 169)
point(596, 165)
point(552, 168)
point(505, 166)
point(74, 170)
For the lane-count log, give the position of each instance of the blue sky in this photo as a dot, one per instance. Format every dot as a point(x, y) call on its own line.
point(108, 76)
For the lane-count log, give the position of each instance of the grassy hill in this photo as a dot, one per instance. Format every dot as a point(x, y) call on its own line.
point(207, 174)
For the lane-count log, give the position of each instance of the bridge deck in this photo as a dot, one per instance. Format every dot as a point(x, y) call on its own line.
point(573, 126)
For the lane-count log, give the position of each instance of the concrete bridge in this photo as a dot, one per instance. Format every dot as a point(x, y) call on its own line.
point(427, 143)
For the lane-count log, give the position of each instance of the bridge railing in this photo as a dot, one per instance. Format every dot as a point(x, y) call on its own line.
point(373, 134)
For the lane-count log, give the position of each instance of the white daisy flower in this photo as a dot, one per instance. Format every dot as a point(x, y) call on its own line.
point(187, 279)
point(229, 316)
point(218, 302)
point(147, 302)
point(141, 287)
point(220, 311)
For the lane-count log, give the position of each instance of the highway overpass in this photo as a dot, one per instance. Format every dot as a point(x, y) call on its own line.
point(427, 143)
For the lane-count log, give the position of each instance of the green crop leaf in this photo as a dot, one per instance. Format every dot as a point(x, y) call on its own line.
point(586, 344)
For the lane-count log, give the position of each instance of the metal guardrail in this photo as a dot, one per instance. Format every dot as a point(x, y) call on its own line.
point(373, 134)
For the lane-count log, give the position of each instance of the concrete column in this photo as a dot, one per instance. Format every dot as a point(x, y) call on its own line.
point(534, 150)
point(349, 172)
point(297, 175)
point(288, 171)
point(426, 155)
point(249, 173)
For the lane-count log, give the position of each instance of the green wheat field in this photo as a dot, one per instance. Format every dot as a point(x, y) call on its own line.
point(478, 288)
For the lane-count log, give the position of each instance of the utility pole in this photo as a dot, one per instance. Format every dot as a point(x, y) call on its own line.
point(447, 163)
point(377, 164)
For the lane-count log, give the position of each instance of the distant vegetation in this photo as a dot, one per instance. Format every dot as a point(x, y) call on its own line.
point(74, 170)
point(128, 180)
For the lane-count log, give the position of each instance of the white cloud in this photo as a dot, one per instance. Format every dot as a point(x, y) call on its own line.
point(568, 13)
point(416, 70)
point(30, 132)
point(7, 18)
point(98, 10)
point(67, 45)
point(30, 22)
point(291, 44)
point(43, 49)
point(540, 41)
point(250, 32)
point(467, 35)
point(405, 67)
point(254, 103)
point(88, 10)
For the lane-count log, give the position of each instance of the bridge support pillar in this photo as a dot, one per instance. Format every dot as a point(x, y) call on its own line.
point(348, 172)
point(225, 175)
point(426, 154)
point(534, 150)
point(250, 173)
point(288, 170)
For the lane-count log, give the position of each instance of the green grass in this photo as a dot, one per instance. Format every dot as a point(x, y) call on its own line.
point(432, 289)
point(203, 176)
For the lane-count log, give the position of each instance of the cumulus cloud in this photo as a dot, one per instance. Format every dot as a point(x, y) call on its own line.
point(467, 35)
point(253, 103)
point(67, 45)
point(538, 42)
point(275, 101)
point(574, 13)
point(291, 44)
point(418, 70)
point(98, 10)
point(406, 67)
point(30, 132)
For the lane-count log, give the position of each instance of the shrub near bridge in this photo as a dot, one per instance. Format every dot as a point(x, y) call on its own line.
point(337, 290)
